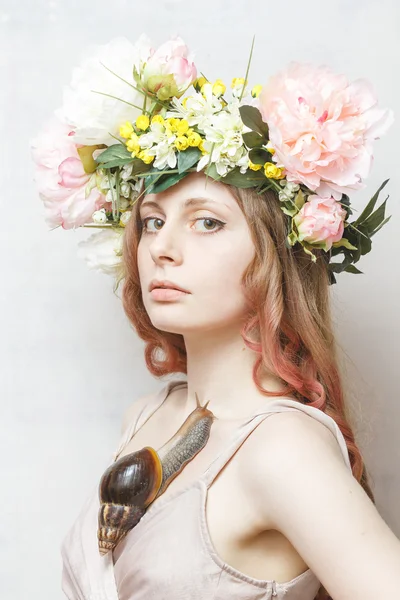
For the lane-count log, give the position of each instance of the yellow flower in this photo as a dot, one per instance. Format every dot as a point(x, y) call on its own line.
point(270, 148)
point(254, 167)
point(157, 119)
point(272, 171)
point(182, 126)
point(145, 157)
point(198, 84)
point(237, 81)
point(126, 129)
point(181, 142)
point(255, 92)
point(142, 122)
point(219, 88)
point(171, 124)
point(194, 139)
point(201, 147)
point(133, 143)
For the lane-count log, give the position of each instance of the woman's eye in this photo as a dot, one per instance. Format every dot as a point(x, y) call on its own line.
point(146, 221)
point(208, 227)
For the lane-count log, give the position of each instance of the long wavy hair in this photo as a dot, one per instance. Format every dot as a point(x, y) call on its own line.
point(289, 323)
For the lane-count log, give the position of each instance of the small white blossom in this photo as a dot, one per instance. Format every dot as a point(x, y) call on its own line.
point(124, 218)
point(125, 189)
point(224, 133)
point(99, 216)
point(199, 107)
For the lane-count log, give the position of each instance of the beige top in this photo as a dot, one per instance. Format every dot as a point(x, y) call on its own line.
point(169, 554)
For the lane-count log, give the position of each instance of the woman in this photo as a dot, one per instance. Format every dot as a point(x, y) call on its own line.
point(244, 204)
point(269, 507)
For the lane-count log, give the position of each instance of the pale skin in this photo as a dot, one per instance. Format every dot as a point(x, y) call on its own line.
point(286, 501)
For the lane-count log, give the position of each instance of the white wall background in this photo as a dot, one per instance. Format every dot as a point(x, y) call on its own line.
point(70, 363)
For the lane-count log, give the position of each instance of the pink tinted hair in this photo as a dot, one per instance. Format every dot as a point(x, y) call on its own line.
point(289, 322)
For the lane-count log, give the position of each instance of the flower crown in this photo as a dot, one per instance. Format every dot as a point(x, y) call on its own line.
point(137, 120)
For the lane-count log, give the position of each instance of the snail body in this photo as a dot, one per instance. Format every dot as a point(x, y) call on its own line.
point(134, 481)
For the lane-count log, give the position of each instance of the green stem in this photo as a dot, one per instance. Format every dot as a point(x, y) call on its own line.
point(115, 98)
point(248, 68)
point(165, 171)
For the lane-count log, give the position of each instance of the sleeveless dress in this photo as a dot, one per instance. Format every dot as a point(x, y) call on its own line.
point(169, 554)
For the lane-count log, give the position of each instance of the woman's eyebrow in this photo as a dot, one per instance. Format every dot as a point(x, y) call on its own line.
point(190, 202)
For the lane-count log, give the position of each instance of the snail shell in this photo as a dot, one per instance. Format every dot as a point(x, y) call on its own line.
point(131, 484)
point(126, 489)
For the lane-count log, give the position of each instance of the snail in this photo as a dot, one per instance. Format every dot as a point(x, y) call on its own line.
point(133, 482)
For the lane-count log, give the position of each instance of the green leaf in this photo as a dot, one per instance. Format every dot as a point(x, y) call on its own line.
point(163, 182)
point(238, 179)
point(252, 139)
point(139, 167)
point(307, 251)
point(381, 225)
point(289, 211)
point(353, 269)
point(86, 156)
point(371, 205)
point(252, 118)
point(299, 200)
point(339, 267)
point(115, 156)
point(259, 156)
point(375, 219)
point(344, 242)
point(188, 158)
point(292, 238)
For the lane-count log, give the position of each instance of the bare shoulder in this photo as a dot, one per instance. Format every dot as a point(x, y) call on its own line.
point(282, 450)
point(300, 485)
point(133, 411)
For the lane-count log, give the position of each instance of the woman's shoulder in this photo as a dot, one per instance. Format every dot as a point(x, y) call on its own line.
point(285, 449)
point(293, 426)
point(145, 404)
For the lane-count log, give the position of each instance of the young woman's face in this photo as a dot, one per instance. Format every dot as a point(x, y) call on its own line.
point(197, 238)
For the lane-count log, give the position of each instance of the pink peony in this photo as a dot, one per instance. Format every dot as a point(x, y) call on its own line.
point(168, 71)
point(69, 194)
point(320, 220)
point(322, 127)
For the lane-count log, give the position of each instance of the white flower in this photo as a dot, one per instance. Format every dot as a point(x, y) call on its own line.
point(102, 251)
point(289, 190)
point(125, 217)
point(159, 143)
point(224, 132)
point(123, 204)
point(93, 115)
point(198, 107)
point(99, 216)
point(125, 190)
point(166, 155)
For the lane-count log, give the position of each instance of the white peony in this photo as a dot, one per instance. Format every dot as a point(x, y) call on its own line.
point(102, 251)
point(93, 115)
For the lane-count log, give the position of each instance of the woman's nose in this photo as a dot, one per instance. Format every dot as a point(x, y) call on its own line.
point(165, 246)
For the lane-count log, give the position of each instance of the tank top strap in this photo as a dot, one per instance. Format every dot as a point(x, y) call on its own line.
point(155, 401)
point(245, 429)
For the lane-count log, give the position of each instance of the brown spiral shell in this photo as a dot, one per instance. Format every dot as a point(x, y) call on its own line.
point(126, 489)
point(133, 482)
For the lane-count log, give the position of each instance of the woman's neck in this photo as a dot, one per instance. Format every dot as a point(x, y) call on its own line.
point(220, 369)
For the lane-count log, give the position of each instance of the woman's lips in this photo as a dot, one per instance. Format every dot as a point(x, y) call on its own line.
point(167, 294)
